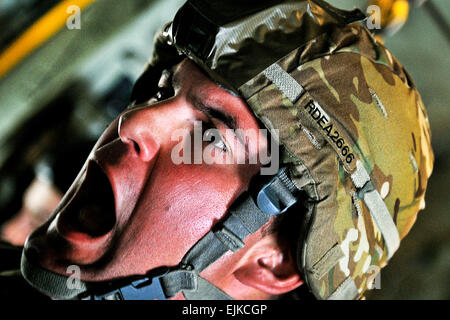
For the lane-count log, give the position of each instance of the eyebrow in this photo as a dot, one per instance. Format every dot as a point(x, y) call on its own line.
point(215, 113)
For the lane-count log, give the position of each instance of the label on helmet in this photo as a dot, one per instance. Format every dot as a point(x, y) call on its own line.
point(331, 132)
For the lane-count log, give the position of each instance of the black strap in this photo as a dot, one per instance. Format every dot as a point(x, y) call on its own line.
point(244, 219)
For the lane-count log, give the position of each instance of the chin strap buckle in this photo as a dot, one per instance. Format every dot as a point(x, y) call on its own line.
point(278, 195)
point(141, 289)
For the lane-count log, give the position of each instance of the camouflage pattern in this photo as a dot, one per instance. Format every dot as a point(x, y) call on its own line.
point(375, 107)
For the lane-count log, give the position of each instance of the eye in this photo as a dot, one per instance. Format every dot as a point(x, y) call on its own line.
point(214, 135)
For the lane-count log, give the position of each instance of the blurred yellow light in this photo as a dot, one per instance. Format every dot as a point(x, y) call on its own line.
point(37, 34)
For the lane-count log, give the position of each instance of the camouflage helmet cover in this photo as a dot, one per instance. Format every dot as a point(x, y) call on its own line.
point(352, 126)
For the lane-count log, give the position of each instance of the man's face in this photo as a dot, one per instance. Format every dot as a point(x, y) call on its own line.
point(132, 209)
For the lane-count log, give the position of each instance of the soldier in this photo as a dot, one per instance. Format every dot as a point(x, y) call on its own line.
point(148, 219)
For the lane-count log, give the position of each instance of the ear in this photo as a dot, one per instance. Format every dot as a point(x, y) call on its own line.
point(269, 267)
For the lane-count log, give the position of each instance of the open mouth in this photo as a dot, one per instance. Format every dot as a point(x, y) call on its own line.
point(90, 213)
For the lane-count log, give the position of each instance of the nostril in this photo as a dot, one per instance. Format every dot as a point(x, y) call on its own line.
point(136, 147)
point(132, 143)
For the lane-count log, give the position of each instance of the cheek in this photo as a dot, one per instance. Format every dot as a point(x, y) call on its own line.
point(181, 204)
point(186, 198)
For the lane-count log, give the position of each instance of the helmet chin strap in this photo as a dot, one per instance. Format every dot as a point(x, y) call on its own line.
point(50, 283)
point(245, 217)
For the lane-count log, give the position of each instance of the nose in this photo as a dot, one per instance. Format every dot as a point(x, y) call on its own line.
point(138, 128)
